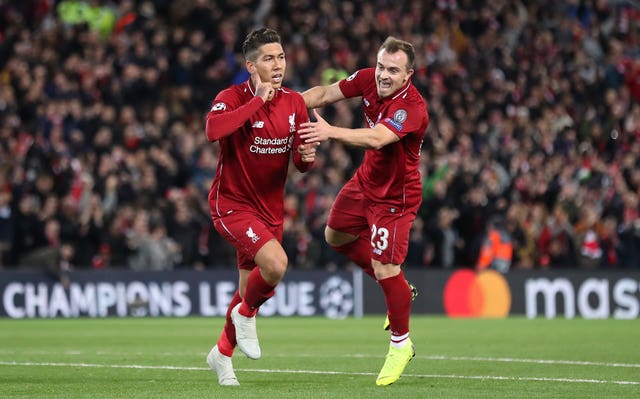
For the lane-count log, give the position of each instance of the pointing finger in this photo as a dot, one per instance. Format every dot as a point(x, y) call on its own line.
point(256, 77)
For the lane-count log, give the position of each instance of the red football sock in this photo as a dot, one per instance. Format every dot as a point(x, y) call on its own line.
point(227, 341)
point(258, 292)
point(359, 252)
point(397, 294)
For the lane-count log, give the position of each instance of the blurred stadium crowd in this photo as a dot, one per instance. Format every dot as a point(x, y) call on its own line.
point(534, 106)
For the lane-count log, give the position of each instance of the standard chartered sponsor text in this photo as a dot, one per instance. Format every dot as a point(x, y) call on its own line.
point(267, 146)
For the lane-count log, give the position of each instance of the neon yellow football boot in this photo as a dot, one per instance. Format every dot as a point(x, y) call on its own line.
point(396, 361)
point(414, 294)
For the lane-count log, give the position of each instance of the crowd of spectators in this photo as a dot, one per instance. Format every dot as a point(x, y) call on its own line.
point(534, 107)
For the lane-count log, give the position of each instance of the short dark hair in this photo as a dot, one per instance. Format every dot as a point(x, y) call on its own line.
point(393, 44)
point(257, 38)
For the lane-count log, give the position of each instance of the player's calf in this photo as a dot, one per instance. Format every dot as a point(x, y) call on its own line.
point(414, 293)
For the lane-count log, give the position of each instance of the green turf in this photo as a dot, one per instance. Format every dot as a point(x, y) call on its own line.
point(319, 358)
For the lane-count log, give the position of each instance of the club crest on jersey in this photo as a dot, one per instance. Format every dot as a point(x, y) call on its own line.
point(251, 234)
point(219, 107)
point(292, 123)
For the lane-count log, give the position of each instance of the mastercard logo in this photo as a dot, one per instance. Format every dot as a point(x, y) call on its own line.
point(477, 294)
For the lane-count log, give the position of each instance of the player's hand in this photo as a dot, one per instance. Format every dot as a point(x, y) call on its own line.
point(263, 89)
point(308, 152)
point(315, 132)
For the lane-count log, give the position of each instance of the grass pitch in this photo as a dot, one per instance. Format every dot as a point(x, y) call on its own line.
point(320, 358)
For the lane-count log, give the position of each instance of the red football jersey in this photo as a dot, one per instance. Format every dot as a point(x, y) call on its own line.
point(391, 173)
point(254, 159)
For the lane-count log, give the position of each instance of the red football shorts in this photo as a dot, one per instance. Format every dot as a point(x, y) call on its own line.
point(388, 227)
point(247, 233)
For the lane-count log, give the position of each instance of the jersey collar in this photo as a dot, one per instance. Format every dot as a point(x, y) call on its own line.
point(401, 91)
point(252, 89)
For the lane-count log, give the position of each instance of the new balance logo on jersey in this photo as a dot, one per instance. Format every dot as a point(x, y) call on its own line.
point(365, 101)
point(258, 124)
point(254, 237)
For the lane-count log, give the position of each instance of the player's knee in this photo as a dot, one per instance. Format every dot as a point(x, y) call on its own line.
point(272, 261)
point(336, 238)
point(383, 271)
point(329, 237)
point(274, 267)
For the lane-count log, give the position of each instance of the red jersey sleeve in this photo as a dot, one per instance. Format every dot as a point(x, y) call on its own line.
point(354, 85)
point(405, 117)
point(227, 115)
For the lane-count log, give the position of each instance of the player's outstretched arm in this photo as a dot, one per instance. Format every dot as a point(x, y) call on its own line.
point(319, 96)
point(320, 130)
